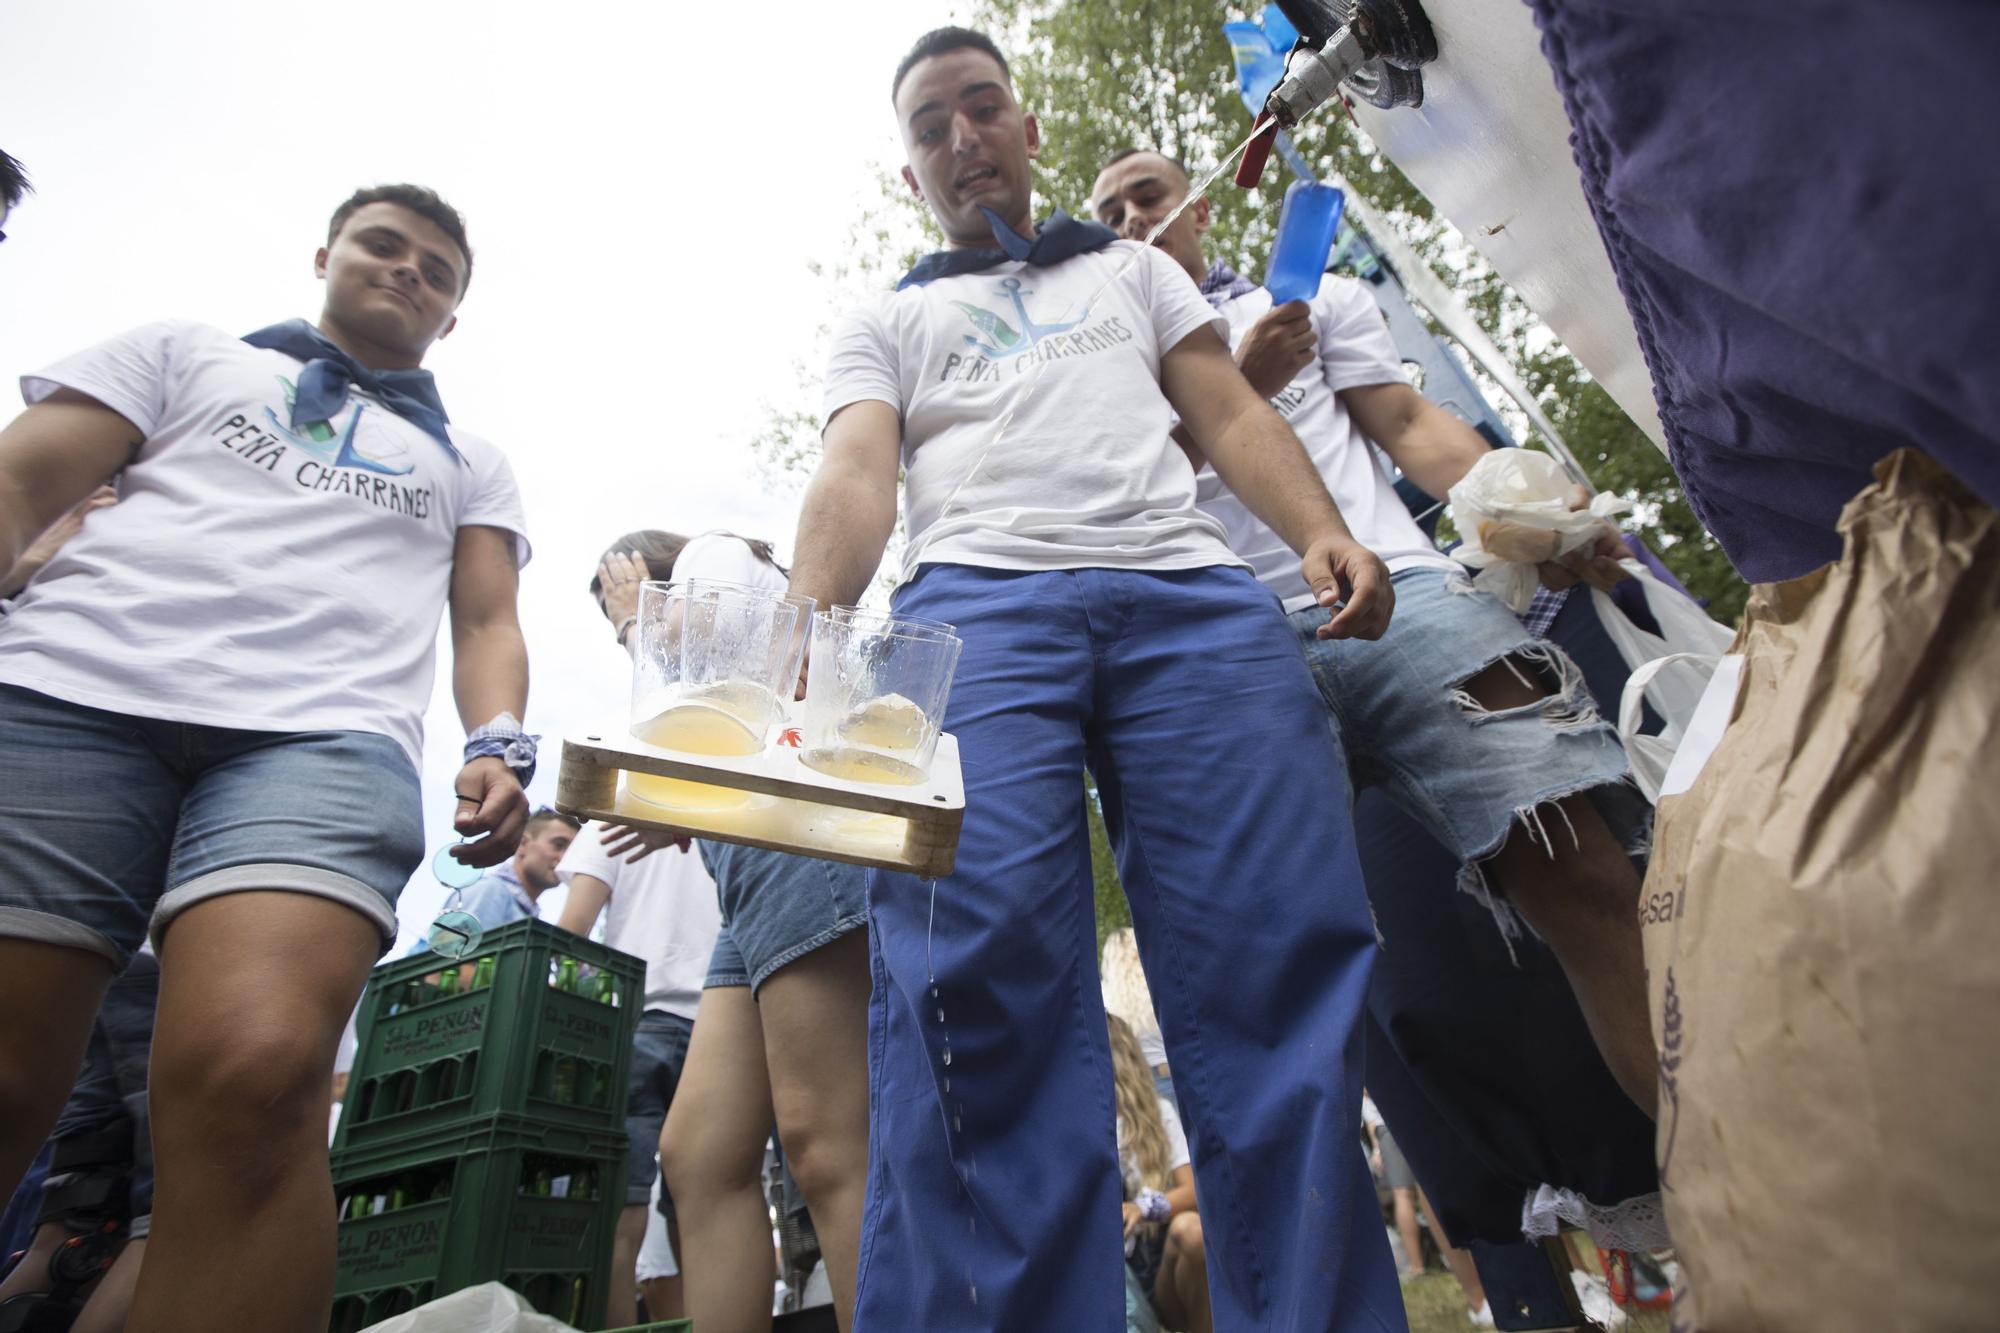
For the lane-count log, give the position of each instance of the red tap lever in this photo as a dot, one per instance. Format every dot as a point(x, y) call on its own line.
point(1251, 169)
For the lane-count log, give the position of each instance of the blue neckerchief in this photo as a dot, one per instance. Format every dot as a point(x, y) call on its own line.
point(328, 373)
point(1224, 283)
point(1060, 238)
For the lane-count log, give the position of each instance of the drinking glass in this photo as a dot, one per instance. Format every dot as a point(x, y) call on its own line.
point(876, 694)
point(706, 677)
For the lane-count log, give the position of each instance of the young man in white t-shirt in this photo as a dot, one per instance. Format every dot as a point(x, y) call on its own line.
point(1478, 729)
point(1105, 623)
point(660, 907)
point(211, 708)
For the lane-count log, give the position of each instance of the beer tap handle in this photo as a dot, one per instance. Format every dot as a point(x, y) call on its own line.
point(1251, 169)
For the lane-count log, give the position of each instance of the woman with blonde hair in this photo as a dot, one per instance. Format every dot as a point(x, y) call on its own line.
point(1163, 1243)
point(1127, 995)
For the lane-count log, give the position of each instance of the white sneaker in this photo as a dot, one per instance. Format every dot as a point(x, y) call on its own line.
point(1483, 1316)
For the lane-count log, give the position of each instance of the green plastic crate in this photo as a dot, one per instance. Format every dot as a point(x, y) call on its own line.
point(495, 1034)
point(499, 1199)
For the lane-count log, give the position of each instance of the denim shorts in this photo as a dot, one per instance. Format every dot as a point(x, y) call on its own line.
point(1400, 710)
point(659, 1051)
point(110, 825)
point(777, 907)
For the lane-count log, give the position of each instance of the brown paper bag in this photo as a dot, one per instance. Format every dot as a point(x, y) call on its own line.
point(1822, 929)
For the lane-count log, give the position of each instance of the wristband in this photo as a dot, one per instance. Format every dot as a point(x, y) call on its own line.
point(503, 739)
point(1153, 1205)
point(626, 628)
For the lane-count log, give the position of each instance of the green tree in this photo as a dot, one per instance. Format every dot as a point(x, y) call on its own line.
point(1113, 911)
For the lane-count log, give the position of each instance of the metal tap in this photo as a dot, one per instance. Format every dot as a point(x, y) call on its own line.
point(1314, 76)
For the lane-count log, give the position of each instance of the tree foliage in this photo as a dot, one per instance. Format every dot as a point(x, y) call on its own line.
point(1113, 911)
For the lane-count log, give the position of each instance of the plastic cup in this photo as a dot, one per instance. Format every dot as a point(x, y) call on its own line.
point(876, 697)
point(1307, 225)
point(711, 661)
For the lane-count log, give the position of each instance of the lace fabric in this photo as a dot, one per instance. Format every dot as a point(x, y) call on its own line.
point(1638, 1224)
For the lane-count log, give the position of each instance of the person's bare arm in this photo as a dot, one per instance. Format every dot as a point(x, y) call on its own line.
point(587, 896)
point(850, 507)
point(1256, 455)
point(1181, 1197)
point(489, 676)
point(54, 537)
point(52, 457)
point(1429, 445)
point(1435, 449)
point(1272, 352)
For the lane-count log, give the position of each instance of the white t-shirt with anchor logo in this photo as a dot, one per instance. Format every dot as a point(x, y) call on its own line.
point(1086, 474)
point(250, 575)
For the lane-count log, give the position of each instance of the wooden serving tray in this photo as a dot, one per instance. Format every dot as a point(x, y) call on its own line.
point(913, 828)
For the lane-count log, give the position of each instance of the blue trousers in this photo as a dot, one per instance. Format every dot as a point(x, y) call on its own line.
point(993, 1184)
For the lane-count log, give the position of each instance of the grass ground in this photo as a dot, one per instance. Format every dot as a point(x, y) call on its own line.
point(1434, 1305)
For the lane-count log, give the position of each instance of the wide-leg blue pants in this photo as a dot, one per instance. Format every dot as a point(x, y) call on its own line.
point(993, 1186)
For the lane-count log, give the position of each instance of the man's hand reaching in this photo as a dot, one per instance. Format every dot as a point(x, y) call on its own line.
point(1351, 581)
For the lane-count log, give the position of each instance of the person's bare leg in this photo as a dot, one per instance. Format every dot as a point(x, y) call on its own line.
point(32, 1273)
point(816, 1044)
point(712, 1150)
point(109, 1306)
point(663, 1298)
point(664, 1295)
point(1581, 895)
point(1180, 1290)
point(621, 1295)
point(1457, 1260)
point(254, 991)
point(49, 995)
point(1406, 1226)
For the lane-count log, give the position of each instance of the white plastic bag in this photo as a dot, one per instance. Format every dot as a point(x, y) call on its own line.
point(1513, 511)
point(486, 1308)
point(1670, 670)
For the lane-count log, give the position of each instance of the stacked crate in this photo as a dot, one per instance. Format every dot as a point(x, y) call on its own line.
point(483, 1136)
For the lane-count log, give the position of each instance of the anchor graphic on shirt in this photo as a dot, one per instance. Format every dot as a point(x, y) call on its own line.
point(1005, 340)
point(317, 438)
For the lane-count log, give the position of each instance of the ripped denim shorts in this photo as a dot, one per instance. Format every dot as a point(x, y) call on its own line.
point(1402, 711)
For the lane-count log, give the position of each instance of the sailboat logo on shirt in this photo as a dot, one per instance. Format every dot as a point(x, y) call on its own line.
point(1001, 338)
point(319, 440)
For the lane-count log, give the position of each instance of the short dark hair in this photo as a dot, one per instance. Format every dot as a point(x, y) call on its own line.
point(548, 815)
point(940, 40)
point(13, 180)
point(1124, 153)
point(425, 203)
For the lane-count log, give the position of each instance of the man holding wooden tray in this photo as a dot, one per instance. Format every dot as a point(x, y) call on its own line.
point(1026, 379)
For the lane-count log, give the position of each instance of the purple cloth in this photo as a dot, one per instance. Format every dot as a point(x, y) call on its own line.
point(1798, 200)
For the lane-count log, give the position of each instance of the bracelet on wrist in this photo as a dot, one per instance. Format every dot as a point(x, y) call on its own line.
point(626, 628)
point(503, 739)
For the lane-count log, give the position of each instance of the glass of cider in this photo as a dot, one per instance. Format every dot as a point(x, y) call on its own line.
point(876, 693)
point(711, 661)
